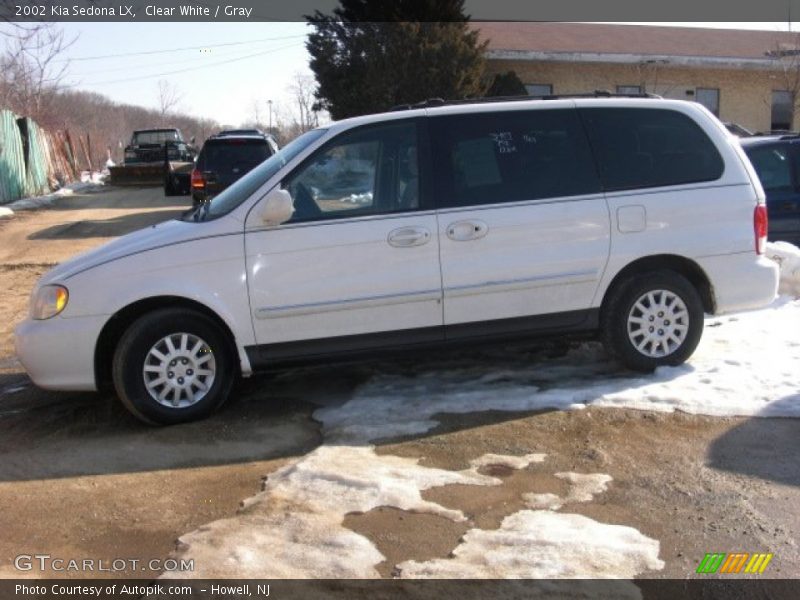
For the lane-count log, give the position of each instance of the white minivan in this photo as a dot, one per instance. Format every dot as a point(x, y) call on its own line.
point(438, 225)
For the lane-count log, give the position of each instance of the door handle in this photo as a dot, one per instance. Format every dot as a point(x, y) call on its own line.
point(464, 231)
point(407, 237)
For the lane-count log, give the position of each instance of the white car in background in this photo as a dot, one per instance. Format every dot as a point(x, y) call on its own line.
point(627, 218)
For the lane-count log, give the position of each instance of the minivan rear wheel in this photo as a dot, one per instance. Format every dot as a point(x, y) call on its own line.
point(173, 366)
point(653, 320)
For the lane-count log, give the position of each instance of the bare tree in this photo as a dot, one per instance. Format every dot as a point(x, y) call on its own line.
point(255, 108)
point(787, 63)
point(645, 74)
point(302, 90)
point(32, 68)
point(168, 99)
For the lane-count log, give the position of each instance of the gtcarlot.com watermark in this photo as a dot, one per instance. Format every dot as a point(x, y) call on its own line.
point(46, 562)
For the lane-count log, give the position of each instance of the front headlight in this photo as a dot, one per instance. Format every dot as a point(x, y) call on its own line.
point(48, 301)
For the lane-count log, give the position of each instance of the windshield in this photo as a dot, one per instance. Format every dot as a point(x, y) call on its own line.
point(155, 137)
point(240, 191)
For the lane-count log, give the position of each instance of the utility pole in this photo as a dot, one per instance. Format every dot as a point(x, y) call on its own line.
point(269, 104)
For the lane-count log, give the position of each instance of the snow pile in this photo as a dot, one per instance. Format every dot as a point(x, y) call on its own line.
point(363, 198)
point(544, 545)
point(788, 257)
point(91, 185)
point(94, 177)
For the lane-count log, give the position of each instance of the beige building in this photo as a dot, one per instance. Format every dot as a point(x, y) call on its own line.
point(744, 77)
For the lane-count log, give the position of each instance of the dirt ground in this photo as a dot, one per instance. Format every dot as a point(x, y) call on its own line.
point(80, 478)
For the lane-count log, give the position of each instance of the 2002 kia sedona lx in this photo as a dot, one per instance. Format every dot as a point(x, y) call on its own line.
point(435, 225)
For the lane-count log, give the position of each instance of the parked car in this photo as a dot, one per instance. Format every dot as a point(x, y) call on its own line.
point(148, 146)
point(776, 160)
point(627, 219)
point(226, 157)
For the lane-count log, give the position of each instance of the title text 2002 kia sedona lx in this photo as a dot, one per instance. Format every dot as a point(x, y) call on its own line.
point(448, 224)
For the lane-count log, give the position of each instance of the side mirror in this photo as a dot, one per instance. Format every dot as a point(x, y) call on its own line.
point(277, 207)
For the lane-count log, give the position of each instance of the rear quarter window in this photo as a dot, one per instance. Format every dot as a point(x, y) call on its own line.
point(647, 147)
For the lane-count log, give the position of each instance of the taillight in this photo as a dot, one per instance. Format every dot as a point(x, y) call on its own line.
point(198, 181)
point(760, 225)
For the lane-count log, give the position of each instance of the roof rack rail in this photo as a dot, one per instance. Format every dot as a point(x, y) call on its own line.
point(434, 102)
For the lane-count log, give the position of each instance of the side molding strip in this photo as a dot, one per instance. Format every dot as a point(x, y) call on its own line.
point(294, 310)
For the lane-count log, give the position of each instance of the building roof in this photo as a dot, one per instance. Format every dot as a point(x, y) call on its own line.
point(509, 39)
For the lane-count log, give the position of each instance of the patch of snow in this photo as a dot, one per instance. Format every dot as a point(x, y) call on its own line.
point(287, 543)
point(345, 479)
point(585, 486)
point(788, 258)
point(512, 462)
point(546, 501)
point(544, 545)
point(5, 212)
point(94, 177)
point(89, 186)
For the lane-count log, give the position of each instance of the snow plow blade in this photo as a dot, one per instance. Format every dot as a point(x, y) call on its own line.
point(144, 175)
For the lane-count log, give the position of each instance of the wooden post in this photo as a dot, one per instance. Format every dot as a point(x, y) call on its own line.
point(89, 151)
point(85, 153)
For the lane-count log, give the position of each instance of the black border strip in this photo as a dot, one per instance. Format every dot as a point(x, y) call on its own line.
point(778, 11)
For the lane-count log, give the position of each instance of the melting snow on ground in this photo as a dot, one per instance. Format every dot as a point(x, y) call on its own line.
point(89, 183)
point(745, 365)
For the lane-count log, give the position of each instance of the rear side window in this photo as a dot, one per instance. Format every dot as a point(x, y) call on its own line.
point(511, 156)
point(772, 166)
point(643, 147)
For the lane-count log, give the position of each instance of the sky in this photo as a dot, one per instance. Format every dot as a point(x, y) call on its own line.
point(222, 71)
point(230, 71)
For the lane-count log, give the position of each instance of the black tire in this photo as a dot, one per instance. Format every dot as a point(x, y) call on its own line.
point(133, 349)
point(619, 307)
point(169, 186)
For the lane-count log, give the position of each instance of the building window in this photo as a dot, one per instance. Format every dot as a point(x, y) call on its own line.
point(539, 89)
point(629, 89)
point(708, 97)
point(782, 110)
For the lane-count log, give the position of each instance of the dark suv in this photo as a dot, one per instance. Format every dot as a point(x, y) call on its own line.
point(225, 158)
point(777, 161)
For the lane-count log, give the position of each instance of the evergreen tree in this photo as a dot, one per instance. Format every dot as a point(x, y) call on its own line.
point(370, 56)
point(507, 84)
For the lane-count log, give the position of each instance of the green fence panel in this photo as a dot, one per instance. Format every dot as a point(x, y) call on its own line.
point(13, 177)
point(36, 179)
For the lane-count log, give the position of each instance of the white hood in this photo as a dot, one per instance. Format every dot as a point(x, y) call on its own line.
point(156, 236)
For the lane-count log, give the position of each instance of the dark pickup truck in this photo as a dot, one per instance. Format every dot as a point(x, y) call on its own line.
point(150, 145)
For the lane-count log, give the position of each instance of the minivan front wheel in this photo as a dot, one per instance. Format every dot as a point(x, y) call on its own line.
point(653, 320)
point(172, 366)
